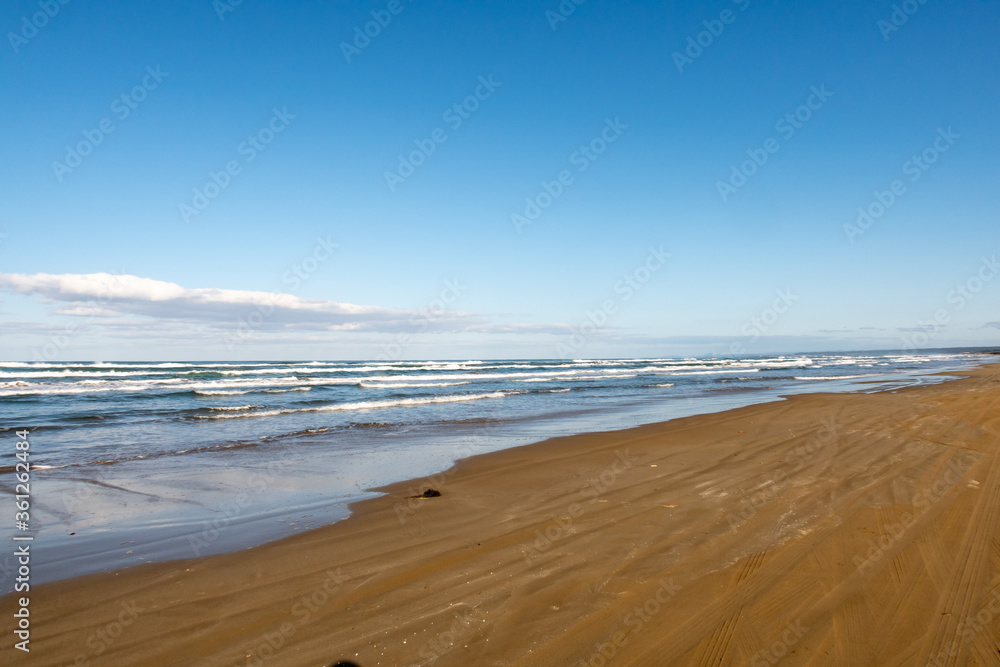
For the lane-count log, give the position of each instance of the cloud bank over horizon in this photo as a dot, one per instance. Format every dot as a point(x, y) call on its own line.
point(119, 308)
point(109, 296)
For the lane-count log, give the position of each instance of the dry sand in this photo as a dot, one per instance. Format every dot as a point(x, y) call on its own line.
point(828, 529)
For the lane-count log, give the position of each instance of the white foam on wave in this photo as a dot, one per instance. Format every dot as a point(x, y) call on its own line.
point(532, 366)
point(698, 367)
point(909, 359)
point(112, 370)
point(403, 385)
point(618, 362)
point(512, 376)
point(34, 378)
point(234, 408)
point(721, 371)
point(310, 370)
point(70, 373)
point(68, 366)
point(240, 392)
point(581, 378)
point(836, 377)
point(170, 384)
point(365, 405)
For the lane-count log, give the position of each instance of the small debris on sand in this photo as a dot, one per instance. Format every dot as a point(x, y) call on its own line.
point(429, 493)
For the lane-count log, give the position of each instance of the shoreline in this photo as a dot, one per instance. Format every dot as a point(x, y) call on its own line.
point(155, 507)
point(533, 550)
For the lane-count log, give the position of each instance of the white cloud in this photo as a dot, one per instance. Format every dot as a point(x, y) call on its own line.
point(106, 296)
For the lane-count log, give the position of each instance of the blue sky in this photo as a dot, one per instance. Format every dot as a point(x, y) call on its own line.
point(308, 252)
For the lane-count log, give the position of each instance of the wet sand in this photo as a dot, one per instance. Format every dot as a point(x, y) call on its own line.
point(827, 529)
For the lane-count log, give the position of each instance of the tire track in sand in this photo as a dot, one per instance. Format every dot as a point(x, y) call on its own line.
point(945, 647)
point(718, 645)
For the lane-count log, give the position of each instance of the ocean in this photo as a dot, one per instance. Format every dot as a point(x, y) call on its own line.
point(141, 462)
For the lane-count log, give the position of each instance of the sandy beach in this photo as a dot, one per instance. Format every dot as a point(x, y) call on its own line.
point(826, 529)
point(500, 334)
